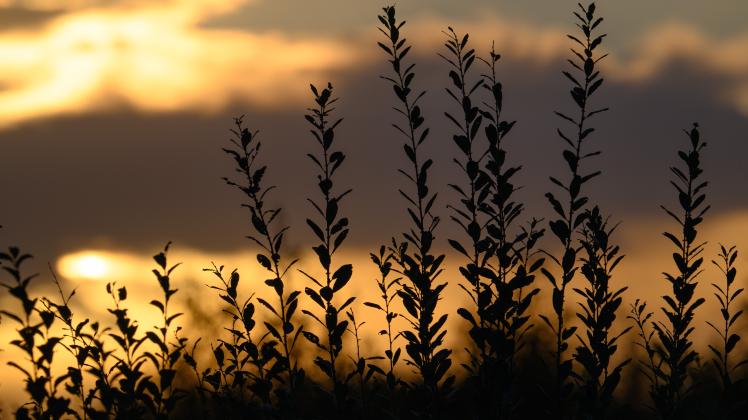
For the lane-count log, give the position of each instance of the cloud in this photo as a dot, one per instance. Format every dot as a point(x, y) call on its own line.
point(681, 44)
point(649, 57)
point(154, 58)
point(159, 58)
point(204, 6)
point(49, 4)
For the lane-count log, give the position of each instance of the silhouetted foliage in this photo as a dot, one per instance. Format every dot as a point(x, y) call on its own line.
point(363, 366)
point(676, 348)
point(726, 294)
point(671, 356)
point(599, 307)
point(77, 345)
point(498, 267)
point(115, 368)
point(170, 348)
point(514, 260)
point(35, 341)
point(572, 216)
point(388, 287)
point(246, 148)
point(331, 232)
point(420, 267)
point(245, 365)
point(473, 194)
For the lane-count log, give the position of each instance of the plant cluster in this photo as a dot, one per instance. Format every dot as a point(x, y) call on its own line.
point(132, 373)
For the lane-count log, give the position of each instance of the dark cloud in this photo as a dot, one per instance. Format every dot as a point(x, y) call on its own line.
point(627, 20)
point(129, 180)
point(21, 18)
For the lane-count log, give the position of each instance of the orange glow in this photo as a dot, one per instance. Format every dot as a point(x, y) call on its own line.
point(641, 271)
point(90, 266)
point(93, 265)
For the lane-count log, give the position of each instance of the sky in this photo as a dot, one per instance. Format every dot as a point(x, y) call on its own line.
point(113, 115)
point(115, 111)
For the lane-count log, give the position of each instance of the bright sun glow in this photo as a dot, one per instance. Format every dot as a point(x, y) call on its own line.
point(89, 265)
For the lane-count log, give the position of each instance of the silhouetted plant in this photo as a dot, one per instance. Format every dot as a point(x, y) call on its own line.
point(726, 294)
point(472, 195)
point(35, 341)
point(246, 148)
point(643, 320)
point(200, 388)
point(675, 345)
point(84, 340)
point(248, 361)
point(519, 284)
point(331, 232)
point(515, 260)
point(388, 289)
point(170, 349)
point(507, 262)
point(133, 390)
point(76, 346)
point(572, 216)
point(100, 399)
point(598, 345)
point(420, 267)
point(361, 362)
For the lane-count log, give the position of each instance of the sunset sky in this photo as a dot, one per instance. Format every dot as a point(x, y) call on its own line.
point(113, 115)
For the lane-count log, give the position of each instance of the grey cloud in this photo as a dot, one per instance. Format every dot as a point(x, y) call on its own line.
point(130, 180)
point(626, 19)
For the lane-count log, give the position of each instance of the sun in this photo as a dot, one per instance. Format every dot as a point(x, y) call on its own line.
point(85, 265)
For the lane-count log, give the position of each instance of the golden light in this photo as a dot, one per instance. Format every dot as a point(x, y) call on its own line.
point(156, 57)
point(85, 265)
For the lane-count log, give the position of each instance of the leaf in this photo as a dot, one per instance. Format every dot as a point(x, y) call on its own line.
point(311, 337)
point(315, 297)
point(265, 262)
point(158, 304)
point(558, 301)
point(467, 315)
point(731, 342)
point(458, 247)
point(160, 259)
point(373, 305)
point(316, 229)
point(341, 276)
point(323, 255)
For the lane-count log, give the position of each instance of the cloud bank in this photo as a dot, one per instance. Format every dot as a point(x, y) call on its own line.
point(96, 55)
point(153, 58)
